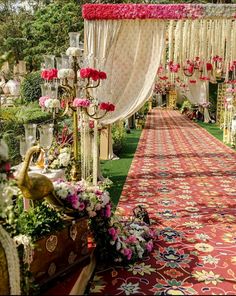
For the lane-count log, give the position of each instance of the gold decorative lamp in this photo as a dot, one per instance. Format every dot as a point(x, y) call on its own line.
point(74, 80)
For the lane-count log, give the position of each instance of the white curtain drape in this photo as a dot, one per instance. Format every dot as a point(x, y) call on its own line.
point(129, 51)
point(198, 92)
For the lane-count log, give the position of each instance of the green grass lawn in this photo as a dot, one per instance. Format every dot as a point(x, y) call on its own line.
point(213, 129)
point(117, 170)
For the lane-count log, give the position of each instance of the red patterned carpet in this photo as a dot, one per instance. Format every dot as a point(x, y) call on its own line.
point(187, 180)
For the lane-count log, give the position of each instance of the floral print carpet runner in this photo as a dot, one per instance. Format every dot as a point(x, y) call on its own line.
point(186, 179)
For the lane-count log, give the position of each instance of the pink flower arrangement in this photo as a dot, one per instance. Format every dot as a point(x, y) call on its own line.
point(85, 200)
point(121, 240)
point(130, 240)
point(92, 73)
point(42, 101)
point(109, 107)
point(81, 103)
point(174, 67)
point(49, 74)
point(142, 11)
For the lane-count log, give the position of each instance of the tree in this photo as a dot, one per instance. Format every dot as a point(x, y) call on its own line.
point(12, 40)
point(48, 32)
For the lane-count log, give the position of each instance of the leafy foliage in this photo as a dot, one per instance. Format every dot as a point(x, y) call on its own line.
point(118, 136)
point(30, 87)
point(39, 221)
point(48, 32)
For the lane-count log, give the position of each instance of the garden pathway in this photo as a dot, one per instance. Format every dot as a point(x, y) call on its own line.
point(187, 180)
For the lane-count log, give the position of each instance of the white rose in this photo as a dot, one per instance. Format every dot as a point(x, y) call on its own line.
point(55, 103)
point(62, 193)
point(48, 103)
point(64, 159)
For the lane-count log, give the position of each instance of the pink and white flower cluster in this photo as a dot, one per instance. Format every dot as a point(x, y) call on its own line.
point(131, 240)
point(87, 200)
point(45, 102)
point(81, 103)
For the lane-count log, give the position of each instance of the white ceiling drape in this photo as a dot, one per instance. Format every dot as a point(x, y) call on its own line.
point(129, 51)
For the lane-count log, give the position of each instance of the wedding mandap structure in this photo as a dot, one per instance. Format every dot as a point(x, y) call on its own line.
point(131, 52)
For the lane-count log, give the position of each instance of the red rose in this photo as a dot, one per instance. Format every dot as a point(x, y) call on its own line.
point(85, 73)
point(209, 67)
point(103, 106)
point(102, 75)
point(111, 107)
point(95, 75)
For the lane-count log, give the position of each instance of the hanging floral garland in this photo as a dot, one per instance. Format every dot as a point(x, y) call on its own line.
point(157, 11)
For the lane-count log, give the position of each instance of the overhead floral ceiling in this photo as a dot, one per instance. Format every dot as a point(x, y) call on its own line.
point(158, 11)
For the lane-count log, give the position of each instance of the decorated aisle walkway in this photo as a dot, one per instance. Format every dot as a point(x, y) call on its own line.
point(187, 180)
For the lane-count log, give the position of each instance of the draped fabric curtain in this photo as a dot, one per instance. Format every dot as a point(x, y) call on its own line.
point(129, 51)
point(199, 94)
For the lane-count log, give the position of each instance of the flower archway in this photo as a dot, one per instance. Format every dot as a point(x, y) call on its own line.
point(140, 45)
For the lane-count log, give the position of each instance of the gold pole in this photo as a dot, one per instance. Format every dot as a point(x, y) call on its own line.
point(75, 136)
point(75, 171)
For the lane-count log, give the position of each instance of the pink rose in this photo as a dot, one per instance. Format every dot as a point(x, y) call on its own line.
point(112, 231)
point(81, 102)
point(81, 206)
point(128, 253)
point(42, 101)
point(108, 211)
point(149, 246)
point(131, 239)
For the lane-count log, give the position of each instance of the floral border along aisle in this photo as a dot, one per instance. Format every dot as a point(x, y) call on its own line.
point(117, 240)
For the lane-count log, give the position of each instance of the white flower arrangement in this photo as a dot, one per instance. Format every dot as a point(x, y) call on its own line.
point(62, 159)
point(65, 73)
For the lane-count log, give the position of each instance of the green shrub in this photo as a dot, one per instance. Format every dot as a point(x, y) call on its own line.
point(32, 113)
point(30, 87)
point(118, 136)
point(13, 119)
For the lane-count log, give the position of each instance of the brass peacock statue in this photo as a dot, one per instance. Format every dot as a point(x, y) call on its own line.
point(36, 186)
